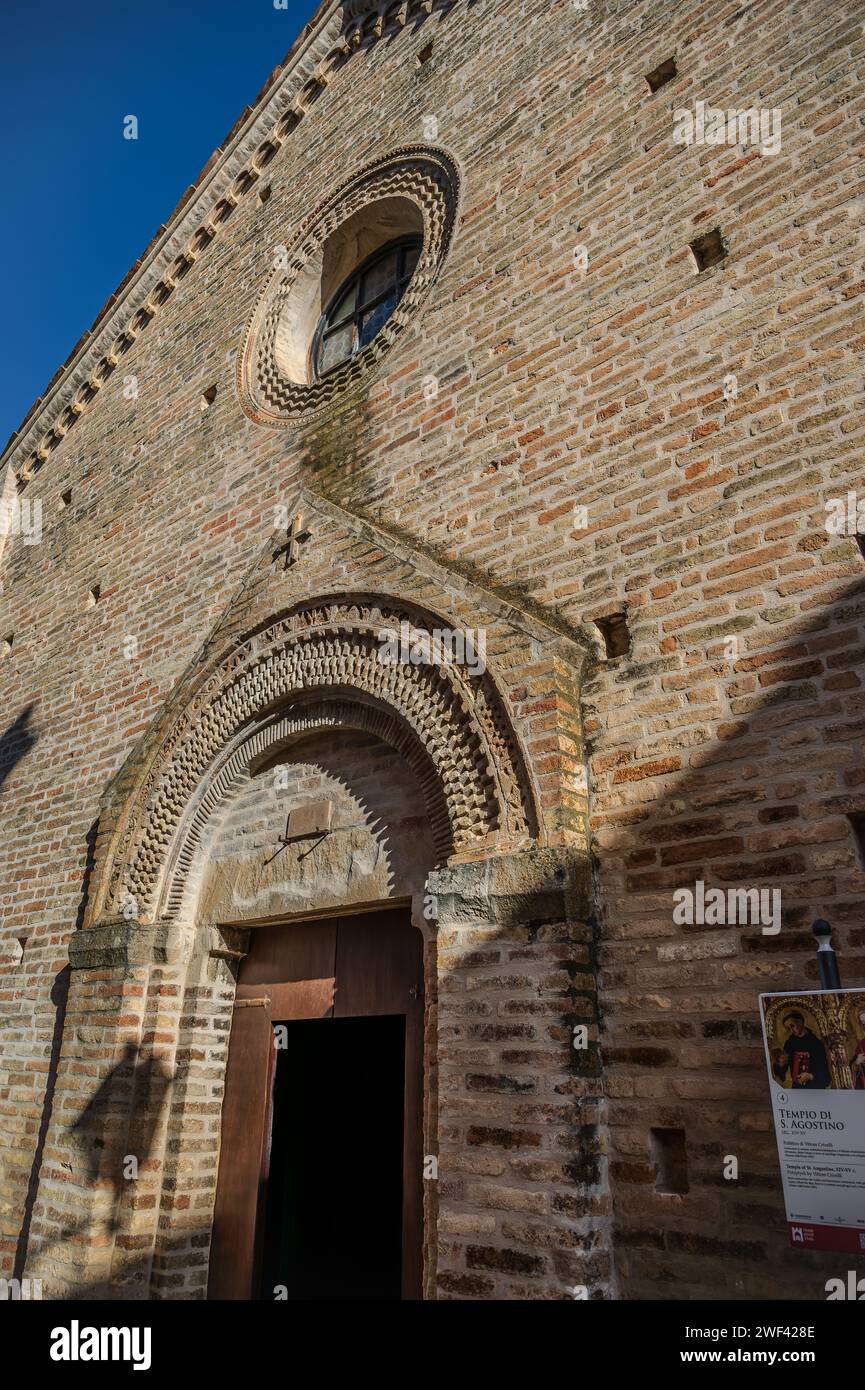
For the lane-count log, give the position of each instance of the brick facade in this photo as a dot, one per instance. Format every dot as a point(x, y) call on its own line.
point(703, 420)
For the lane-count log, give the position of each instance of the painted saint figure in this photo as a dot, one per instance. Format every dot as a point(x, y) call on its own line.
point(801, 1063)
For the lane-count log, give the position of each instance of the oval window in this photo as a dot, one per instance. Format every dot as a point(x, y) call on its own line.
point(363, 304)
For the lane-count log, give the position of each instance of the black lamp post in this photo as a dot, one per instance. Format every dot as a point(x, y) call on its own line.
point(826, 957)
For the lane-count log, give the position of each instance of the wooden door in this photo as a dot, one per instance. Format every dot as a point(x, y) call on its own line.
point(240, 1189)
point(346, 967)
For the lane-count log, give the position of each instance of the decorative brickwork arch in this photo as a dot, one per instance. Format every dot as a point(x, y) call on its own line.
point(156, 961)
point(158, 955)
point(319, 666)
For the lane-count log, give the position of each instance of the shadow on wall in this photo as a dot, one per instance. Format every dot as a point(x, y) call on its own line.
point(136, 1089)
point(762, 803)
point(377, 847)
point(16, 742)
point(59, 998)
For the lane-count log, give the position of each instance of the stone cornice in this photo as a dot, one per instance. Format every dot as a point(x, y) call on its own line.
point(324, 46)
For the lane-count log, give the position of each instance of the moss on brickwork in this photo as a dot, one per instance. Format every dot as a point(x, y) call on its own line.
point(333, 448)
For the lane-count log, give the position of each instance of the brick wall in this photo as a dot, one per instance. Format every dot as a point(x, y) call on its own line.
point(556, 388)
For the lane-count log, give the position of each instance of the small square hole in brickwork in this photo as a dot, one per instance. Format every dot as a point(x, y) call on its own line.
point(21, 945)
point(708, 249)
point(424, 55)
point(860, 541)
point(6, 644)
point(208, 397)
point(857, 825)
point(264, 193)
point(667, 1148)
point(93, 596)
point(662, 74)
point(614, 630)
point(66, 499)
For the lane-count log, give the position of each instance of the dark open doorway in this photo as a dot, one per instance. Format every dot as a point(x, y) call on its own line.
point(333, 1216)
point(320, 1190)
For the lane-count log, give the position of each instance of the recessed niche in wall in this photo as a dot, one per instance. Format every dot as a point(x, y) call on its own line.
point(424, 55)
point(670, 1159)
point(66, 499)
point(208, 397)
point(264, 193)
point(614, 630)
point(93, 596)
point(708, 249)
point(6, 644)
point(662, 74)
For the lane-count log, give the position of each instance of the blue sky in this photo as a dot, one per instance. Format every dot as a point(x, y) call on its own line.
point(82, 202)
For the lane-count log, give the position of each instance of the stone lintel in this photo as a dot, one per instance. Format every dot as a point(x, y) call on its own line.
point(125, 942)
point(532, 885)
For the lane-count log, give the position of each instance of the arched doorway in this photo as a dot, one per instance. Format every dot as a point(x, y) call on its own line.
point(473, 828)
point(315, 854)
point(198, 866)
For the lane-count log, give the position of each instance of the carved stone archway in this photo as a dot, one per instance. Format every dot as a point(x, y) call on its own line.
point(322, 664)
point(511, 942)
